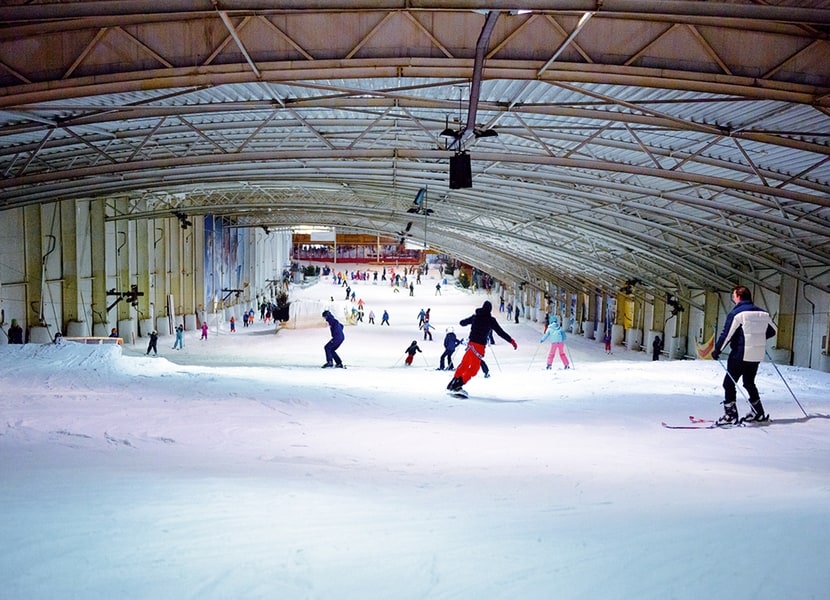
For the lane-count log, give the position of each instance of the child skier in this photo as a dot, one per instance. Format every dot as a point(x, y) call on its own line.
point(557, 338)
point(451, 342)
point(410, 352)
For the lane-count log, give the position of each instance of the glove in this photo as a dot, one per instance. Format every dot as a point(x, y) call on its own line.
point(715, 354)
point(515, 345)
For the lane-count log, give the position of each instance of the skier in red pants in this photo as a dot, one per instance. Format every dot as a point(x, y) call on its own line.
point(481, 322)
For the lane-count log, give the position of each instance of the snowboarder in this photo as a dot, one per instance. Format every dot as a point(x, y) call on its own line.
point(451, 342)
point(481, 322)
point(747, 329)
point(337, 337)
point(410, 352)
point(557, 338)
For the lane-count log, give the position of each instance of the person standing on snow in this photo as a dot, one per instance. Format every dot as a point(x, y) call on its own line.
point(179, 341)
point(557, 338)
point(15, 333)
point(153, 345)
point(480, 322)
point(747, 329)
point(337, 337)
point(451, 342)
point(656, 348)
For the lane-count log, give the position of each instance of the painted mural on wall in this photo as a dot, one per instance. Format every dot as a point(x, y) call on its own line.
point(224, 258)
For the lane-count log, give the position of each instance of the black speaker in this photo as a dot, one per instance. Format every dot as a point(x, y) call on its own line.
point(461, 176)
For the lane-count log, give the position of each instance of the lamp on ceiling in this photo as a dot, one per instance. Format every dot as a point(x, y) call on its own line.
point(449, 132)
point(485, 133)
point(183, 220)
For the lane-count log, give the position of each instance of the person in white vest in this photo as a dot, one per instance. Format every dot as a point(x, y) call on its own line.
point(746, 330)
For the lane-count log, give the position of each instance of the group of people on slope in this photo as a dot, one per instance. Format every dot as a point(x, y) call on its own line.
point(746, 329)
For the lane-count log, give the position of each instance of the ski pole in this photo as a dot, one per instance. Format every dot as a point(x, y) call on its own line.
point(534, 356)
point(495, 358)
point(740, 389)
point(772, 362)
point(570, 357)
point(426, 362)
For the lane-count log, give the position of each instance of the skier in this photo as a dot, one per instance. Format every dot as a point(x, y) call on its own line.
point(451, 342)
point(385, 318)
point(747, 329)
point(557, 338)
point(410, 352)
point(337, 337)
point(481, 322)
point(204, 331)
point(427, 330)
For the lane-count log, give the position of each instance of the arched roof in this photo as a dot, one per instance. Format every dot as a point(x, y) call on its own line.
point(679, 144)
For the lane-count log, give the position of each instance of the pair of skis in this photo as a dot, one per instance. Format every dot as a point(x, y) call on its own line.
point(696, 423)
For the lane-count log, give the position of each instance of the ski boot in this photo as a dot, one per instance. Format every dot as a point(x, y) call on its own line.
point(730, 416)
point(753, 417)
point(455, 384)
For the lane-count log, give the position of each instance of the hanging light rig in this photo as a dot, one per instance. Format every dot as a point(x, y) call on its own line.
point(460, 171)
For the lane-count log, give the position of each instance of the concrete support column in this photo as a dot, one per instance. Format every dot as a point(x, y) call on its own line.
point(99, 240)
point(785, 320)
point(578, 315)
point(72, 308)
point(33, 255)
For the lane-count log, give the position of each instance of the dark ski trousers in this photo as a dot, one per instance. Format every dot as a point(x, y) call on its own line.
point(746, 371)
point(331, 351)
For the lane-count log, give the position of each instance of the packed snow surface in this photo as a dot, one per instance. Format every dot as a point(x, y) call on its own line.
point(237, 468)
